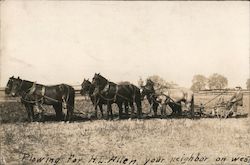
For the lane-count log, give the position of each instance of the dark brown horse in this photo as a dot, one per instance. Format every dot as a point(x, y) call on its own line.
point(88, 89)
point(59, 96)
point(112, 92)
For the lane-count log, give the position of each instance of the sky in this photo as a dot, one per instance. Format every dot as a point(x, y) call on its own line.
point(64, 42)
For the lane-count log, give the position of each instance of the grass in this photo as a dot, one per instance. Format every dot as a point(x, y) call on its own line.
point(133, 139)
point(169, 141)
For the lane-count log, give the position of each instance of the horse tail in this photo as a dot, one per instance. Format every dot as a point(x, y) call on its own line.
point(137, 97)
point(70, 102)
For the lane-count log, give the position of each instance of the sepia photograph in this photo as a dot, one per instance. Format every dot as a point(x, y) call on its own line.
point(124, 82)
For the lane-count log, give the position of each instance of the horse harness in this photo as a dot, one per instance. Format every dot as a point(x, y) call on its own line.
point(154, 96)
point(30, 92)
point(107, 88)
point(40, 101)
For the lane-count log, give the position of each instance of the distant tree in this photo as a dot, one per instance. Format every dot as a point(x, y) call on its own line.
point(173, 84)
point(199, 82)
point(217, 81)
point(248, 84)
point(160, 82)
point(124, 83)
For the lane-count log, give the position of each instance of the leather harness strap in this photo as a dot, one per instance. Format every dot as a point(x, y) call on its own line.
point(32, 89)
point(116, 92)
point(43, 91)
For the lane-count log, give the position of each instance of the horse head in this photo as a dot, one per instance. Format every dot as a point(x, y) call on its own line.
point(86, 87)
point(9, 85)
point(99, 81)
point(13, 86)
point(146, 91)
point(149, 82)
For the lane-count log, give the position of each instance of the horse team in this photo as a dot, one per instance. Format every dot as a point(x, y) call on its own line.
point(101, 92)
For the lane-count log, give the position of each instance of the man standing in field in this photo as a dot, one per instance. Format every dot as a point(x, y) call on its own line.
point(236, 100)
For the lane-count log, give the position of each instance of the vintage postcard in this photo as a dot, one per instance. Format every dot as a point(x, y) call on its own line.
point(124, 82)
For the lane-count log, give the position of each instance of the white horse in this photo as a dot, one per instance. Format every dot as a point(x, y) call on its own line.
point(176, 95)
point(179, 95)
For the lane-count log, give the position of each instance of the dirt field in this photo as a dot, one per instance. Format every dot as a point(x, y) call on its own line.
point(146, 141)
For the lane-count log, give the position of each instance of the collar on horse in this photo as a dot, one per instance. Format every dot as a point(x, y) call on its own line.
point(33, 89)
point(107, 88)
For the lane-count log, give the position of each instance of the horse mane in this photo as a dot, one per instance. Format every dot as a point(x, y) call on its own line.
point(32, 82)
point(104, 79)
point(28, 82)
point(100, 76)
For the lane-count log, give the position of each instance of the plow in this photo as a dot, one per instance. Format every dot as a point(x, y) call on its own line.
point(220, 109)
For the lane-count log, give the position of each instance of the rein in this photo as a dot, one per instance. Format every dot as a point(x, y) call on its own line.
point(154, 100)
point(31, 102)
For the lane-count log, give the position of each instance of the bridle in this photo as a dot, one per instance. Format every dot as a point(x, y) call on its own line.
point(19, 88)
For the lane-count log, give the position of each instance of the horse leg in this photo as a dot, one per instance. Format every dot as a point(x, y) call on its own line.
point(131, 110)
point(139, 108)
point(120, 109)
point(179, 109)
point(41, 112)
point(96, 111)
point(126, 108)
point(190, 109)
point(110, 111)
point(68, 115)
point(100, 107)
point(151, 108)
point(30, 112)
point(58, 110)
point(162, 109)
point(154, 107)
point(131, 104)
point(164, 106)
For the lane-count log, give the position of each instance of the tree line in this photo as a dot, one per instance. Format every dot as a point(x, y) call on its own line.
point(199, 82)
point(214, 81)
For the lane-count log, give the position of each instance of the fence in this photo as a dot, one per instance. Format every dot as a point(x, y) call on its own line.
point(225, 91)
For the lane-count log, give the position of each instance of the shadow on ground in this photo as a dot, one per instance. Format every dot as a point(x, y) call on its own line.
point(82, 118)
